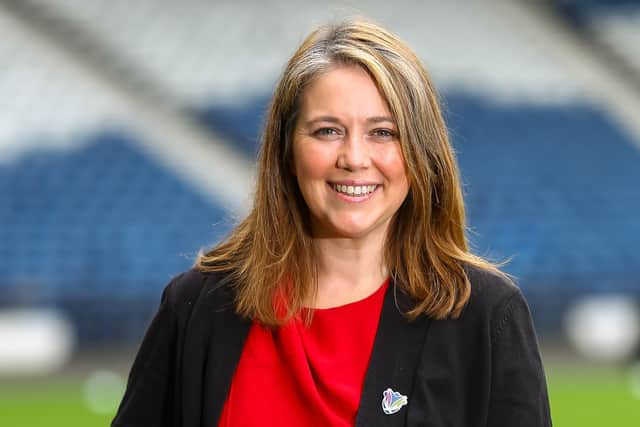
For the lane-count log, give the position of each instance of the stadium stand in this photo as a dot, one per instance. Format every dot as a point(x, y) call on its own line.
point(98, 223)
point(92, 213)
point(578, 183)
point(192, 52)
point(95, 220)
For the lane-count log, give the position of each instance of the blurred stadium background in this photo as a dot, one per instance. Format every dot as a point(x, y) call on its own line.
point(128, 133)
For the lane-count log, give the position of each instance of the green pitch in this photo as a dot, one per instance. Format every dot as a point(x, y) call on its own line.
point(49, 404)
point(585, 398)
point(580, 398)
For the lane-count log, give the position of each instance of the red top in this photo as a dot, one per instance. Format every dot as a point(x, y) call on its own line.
point(296, 375)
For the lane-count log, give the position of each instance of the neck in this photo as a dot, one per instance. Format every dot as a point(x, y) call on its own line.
point(348, 269)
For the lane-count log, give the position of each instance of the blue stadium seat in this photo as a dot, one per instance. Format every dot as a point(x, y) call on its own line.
point(551, 183)
point(101, 220)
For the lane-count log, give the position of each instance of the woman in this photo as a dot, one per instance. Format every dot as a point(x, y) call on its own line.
point(348, 295)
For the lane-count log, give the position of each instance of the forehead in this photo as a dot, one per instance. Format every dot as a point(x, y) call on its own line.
point(345, 91)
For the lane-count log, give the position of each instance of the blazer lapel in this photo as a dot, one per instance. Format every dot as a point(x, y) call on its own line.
point(396, 351)
point(213, 344)
point(224, 350)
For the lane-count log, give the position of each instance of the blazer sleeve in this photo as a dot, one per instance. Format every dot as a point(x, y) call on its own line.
point(518, 390)
point(147, 401)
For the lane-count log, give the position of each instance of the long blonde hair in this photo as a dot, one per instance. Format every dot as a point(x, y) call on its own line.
point(270, 252)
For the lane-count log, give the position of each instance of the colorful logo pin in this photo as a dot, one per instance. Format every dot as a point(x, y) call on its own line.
point(392, 401)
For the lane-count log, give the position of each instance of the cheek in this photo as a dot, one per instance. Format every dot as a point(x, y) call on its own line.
point(311, 163)
point(391, 163)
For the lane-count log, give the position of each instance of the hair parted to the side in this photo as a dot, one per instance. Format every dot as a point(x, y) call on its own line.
point(270, 253)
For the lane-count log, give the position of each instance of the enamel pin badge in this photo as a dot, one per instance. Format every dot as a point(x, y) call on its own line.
point(392, 401)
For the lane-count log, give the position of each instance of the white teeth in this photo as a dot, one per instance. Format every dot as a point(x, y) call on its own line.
point(354, 190)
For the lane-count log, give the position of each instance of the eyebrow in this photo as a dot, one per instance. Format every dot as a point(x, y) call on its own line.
point(332, 119)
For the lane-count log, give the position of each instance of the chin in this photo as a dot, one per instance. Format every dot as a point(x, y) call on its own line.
point(353, 232)
point(349, 227)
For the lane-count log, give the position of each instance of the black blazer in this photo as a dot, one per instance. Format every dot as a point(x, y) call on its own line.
point(483, 369)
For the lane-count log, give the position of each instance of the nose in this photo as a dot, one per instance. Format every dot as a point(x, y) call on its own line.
point(353, 154)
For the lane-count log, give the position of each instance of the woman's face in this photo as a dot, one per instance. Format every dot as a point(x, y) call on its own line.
point(347, 156)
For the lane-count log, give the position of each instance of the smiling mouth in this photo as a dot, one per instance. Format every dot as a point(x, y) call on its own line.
point(354, 190)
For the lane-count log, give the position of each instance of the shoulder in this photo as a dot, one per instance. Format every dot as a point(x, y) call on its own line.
point(517, 388)
point(495, 299)
point(189, 288)
point(488, 288)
